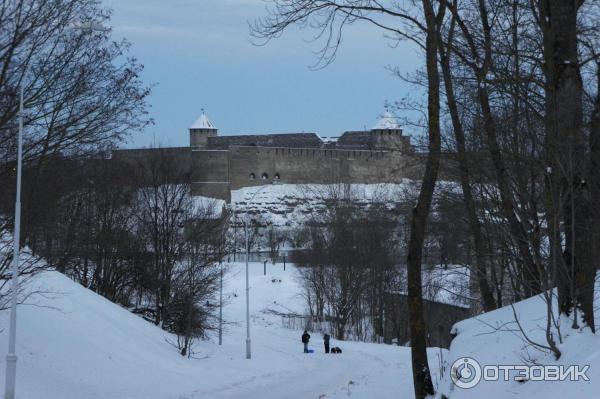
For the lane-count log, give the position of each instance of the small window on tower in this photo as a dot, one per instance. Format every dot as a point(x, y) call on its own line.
point(265, 176)
point(252, 176)
point(277, 177)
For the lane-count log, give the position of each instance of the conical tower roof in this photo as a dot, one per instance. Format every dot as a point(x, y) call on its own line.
point(203, 123)
point(387, 122)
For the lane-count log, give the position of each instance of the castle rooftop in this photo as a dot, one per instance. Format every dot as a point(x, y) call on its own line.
point(291, 140)
point(203, 123)
point(387, 122)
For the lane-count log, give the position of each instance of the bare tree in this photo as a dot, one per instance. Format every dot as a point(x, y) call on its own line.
point(275, 237)
point(196, 278)
point(82, 91)
point(164, 203)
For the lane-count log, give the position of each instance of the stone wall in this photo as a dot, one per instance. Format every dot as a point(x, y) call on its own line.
point(141, 159)
point(214, 173)
point(244, 166)
point(199, 137)
point(210, 174)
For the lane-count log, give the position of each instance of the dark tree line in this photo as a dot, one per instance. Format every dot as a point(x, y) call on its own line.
point(82, 95)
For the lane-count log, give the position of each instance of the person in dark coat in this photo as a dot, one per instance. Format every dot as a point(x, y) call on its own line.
point(305, 339)
point(326, 342)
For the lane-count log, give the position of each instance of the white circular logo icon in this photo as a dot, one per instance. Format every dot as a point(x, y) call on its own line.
point(465, 372)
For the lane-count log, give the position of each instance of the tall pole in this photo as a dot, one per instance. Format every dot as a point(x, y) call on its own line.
point(11, 357)
point(221, 306)
point(248, 352)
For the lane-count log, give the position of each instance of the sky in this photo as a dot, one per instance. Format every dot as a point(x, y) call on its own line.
point(198, 54)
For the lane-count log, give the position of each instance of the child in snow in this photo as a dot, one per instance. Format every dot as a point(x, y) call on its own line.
point(326, 342)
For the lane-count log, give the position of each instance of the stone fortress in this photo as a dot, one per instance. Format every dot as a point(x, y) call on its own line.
point(219, 164)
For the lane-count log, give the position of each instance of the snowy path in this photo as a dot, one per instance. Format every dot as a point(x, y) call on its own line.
point(361, 371)
point(75, 344)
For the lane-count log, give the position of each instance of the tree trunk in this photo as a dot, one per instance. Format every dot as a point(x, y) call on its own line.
point(595, 190)
point(465, 177)
point(566, 153)
point(423, 385)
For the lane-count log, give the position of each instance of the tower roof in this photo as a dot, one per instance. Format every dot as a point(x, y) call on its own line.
point(387, 122)
point(203, 123)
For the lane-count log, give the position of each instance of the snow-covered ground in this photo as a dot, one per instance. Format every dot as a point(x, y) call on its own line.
point(73, 343)
point(494, 338)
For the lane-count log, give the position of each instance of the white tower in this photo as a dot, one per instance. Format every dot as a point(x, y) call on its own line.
point(201, 130)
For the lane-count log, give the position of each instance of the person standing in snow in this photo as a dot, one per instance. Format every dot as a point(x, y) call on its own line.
point(326, 342)
point(305, 339)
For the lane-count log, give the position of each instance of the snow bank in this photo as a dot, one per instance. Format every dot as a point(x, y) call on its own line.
point(494, 338)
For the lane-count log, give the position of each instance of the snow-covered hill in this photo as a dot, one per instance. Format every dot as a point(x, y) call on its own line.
point(74, 344)
point(290, 205)
point(495, 338)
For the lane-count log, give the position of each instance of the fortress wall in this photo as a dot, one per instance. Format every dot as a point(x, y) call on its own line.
point(210, 173)
point(139, 156)
point(319, 166)
point(210, 166)
point(214, 173)
point(141, 159)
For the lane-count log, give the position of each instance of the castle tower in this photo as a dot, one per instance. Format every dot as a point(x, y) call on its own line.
point(388, 134)
point(388, 124)
point(201, 130)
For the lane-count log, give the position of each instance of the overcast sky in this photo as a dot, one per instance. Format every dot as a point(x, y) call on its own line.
point(199, 55)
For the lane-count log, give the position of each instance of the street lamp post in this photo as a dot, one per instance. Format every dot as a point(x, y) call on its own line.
point(11, 357)
point(248, 342)
point(248, 351)
point(221, 304)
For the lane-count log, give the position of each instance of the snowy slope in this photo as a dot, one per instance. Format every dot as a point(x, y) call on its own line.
point(494, 338)
point(75, 344)
point(290, 205)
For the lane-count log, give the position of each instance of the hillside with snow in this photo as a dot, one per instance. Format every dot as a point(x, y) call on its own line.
point(506, 337)
point(75, 344)
point(290, 205)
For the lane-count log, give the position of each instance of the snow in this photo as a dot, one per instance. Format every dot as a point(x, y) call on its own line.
point(203, 123)
point(448, 285)
point(387, 122)
point(494, 338)
point(329, 140)
point(73, 344)
point(291, 205)
point(209, 207)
